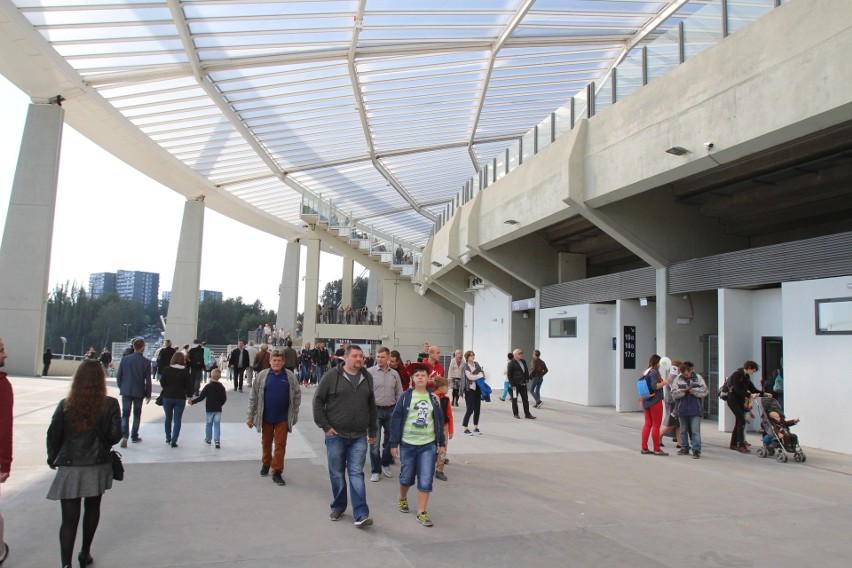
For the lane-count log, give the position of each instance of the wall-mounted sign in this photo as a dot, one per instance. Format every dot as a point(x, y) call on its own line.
point(629, 342)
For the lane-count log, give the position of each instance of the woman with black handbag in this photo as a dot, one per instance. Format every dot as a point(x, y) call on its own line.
point(84, 427)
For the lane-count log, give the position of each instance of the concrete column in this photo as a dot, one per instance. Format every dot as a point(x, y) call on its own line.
point(373, 291)
point(309, 330)
point(182, 320)
point(346, 286)
point(389, 300)
point(25, 252)
point(662, 309)
point(288, 290)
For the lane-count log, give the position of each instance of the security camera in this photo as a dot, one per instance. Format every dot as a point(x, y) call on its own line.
point(708, 146)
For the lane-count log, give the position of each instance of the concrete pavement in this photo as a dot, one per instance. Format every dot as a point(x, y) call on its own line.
point(569, 489)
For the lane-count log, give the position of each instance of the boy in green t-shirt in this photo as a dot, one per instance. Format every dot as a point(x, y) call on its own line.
point(417, 436)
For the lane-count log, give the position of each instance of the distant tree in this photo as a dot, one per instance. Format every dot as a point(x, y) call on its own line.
point(332, 293)
point(359, 292)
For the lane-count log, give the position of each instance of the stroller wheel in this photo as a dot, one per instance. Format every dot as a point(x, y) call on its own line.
point(799, 457)
point(782, 457)
point(761, 453)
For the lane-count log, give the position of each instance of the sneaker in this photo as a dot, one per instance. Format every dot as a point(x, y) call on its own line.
point(423, 519)
point(335, 515)
point(696, 455)
point(277, 479)
point(646, 452)
point(661, 453)
point(218, 447)
point(537, 405)
point(205, 441)
point(123, 443)
point(386, 471)
point(375, 477)
point(363, 521)
point(466, 433)
point(743, 450)
point(683, 452)
point(264, 471)
point(440, 475)
point(135, 440)
point(477, 432)
point(403, 506)
point(530, 417)
point(174, 444)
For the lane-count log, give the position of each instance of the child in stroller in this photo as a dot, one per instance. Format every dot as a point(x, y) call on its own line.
point(775, 432)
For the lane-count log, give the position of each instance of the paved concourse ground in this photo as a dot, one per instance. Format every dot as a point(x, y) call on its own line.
point(568, 489)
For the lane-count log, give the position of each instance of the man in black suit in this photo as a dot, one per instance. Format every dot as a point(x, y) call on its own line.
point(195, 364)
point(238, 362)
point(518, 373)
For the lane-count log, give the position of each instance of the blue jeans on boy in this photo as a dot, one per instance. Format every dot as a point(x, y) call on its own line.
point(380, 451)
point(174, 410)
point(690, 427)
point(419, 461)
point(347, 457)
point(507, 389)
point(211, 427)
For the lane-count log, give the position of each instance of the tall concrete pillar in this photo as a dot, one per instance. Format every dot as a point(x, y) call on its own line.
point(25, 252)
point(662, 309)
point(373, 291)
point(390, 286)
point(346, 286)
point(309, 329)
point(182, 321)
point(288, 290)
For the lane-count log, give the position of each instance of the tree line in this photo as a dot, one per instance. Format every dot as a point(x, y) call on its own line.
point(98, 322)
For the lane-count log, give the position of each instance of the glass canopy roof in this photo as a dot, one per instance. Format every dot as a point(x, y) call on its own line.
point(383, 107)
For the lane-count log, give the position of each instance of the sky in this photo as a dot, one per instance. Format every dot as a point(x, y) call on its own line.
point(111, 217)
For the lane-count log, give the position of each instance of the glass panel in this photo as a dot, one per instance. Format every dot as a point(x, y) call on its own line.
point(603, 96)
point(743, 12)
point(703, 29)
point(543, 134)
point(528, 144)
point(513, 156)
point(563, 120)
point(501, 164)
point(629, 76)
point(663, 54)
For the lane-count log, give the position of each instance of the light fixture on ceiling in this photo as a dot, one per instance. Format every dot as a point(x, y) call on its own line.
point(465, 258)
point(677, 151)
point(437, 264)
point(510, 222)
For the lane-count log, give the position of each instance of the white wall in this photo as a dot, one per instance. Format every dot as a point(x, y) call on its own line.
point(745, 317)
point(602, 363)
point(820, 399)
point(582, 367)
point(629, 312)
point(491, 333)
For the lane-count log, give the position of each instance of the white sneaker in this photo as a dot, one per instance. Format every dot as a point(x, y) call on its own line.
point(375, 477)
point(387, 471)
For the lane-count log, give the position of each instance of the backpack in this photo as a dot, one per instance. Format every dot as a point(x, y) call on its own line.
point(642, 386)
point(725, 389)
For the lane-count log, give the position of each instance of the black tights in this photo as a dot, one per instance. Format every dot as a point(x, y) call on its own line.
point(70, 520)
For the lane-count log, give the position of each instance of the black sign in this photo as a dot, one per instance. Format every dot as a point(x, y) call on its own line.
point(629, 343)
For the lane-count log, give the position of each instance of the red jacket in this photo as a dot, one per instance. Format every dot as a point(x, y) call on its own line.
point(447, 409)
point(7, 399)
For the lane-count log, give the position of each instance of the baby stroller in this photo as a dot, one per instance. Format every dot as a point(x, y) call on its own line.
point(775, 433)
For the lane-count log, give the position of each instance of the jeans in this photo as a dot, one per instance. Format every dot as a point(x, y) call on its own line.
point(419, 461)
point(126, 403)
point(347, 456)
point(535, 389)
point(238, 373)
point(690, 428)
point(212, 426)
point(473, 403)
point(521, 390)
point(305, 375)
point(507, 390)
point(380, 451)
point(174, 409)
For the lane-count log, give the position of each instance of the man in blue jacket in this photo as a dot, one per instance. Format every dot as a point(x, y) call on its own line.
point(134, 384)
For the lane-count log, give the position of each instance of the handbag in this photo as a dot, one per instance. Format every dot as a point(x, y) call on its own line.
point(117, 466)
point(159, 400)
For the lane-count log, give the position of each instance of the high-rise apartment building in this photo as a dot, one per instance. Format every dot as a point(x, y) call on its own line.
point(101, 283)
point(136, 285)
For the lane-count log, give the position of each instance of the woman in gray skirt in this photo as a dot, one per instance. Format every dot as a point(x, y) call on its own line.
point(84, 427)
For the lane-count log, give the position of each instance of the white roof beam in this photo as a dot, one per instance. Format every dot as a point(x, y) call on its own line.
point(511, 25)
